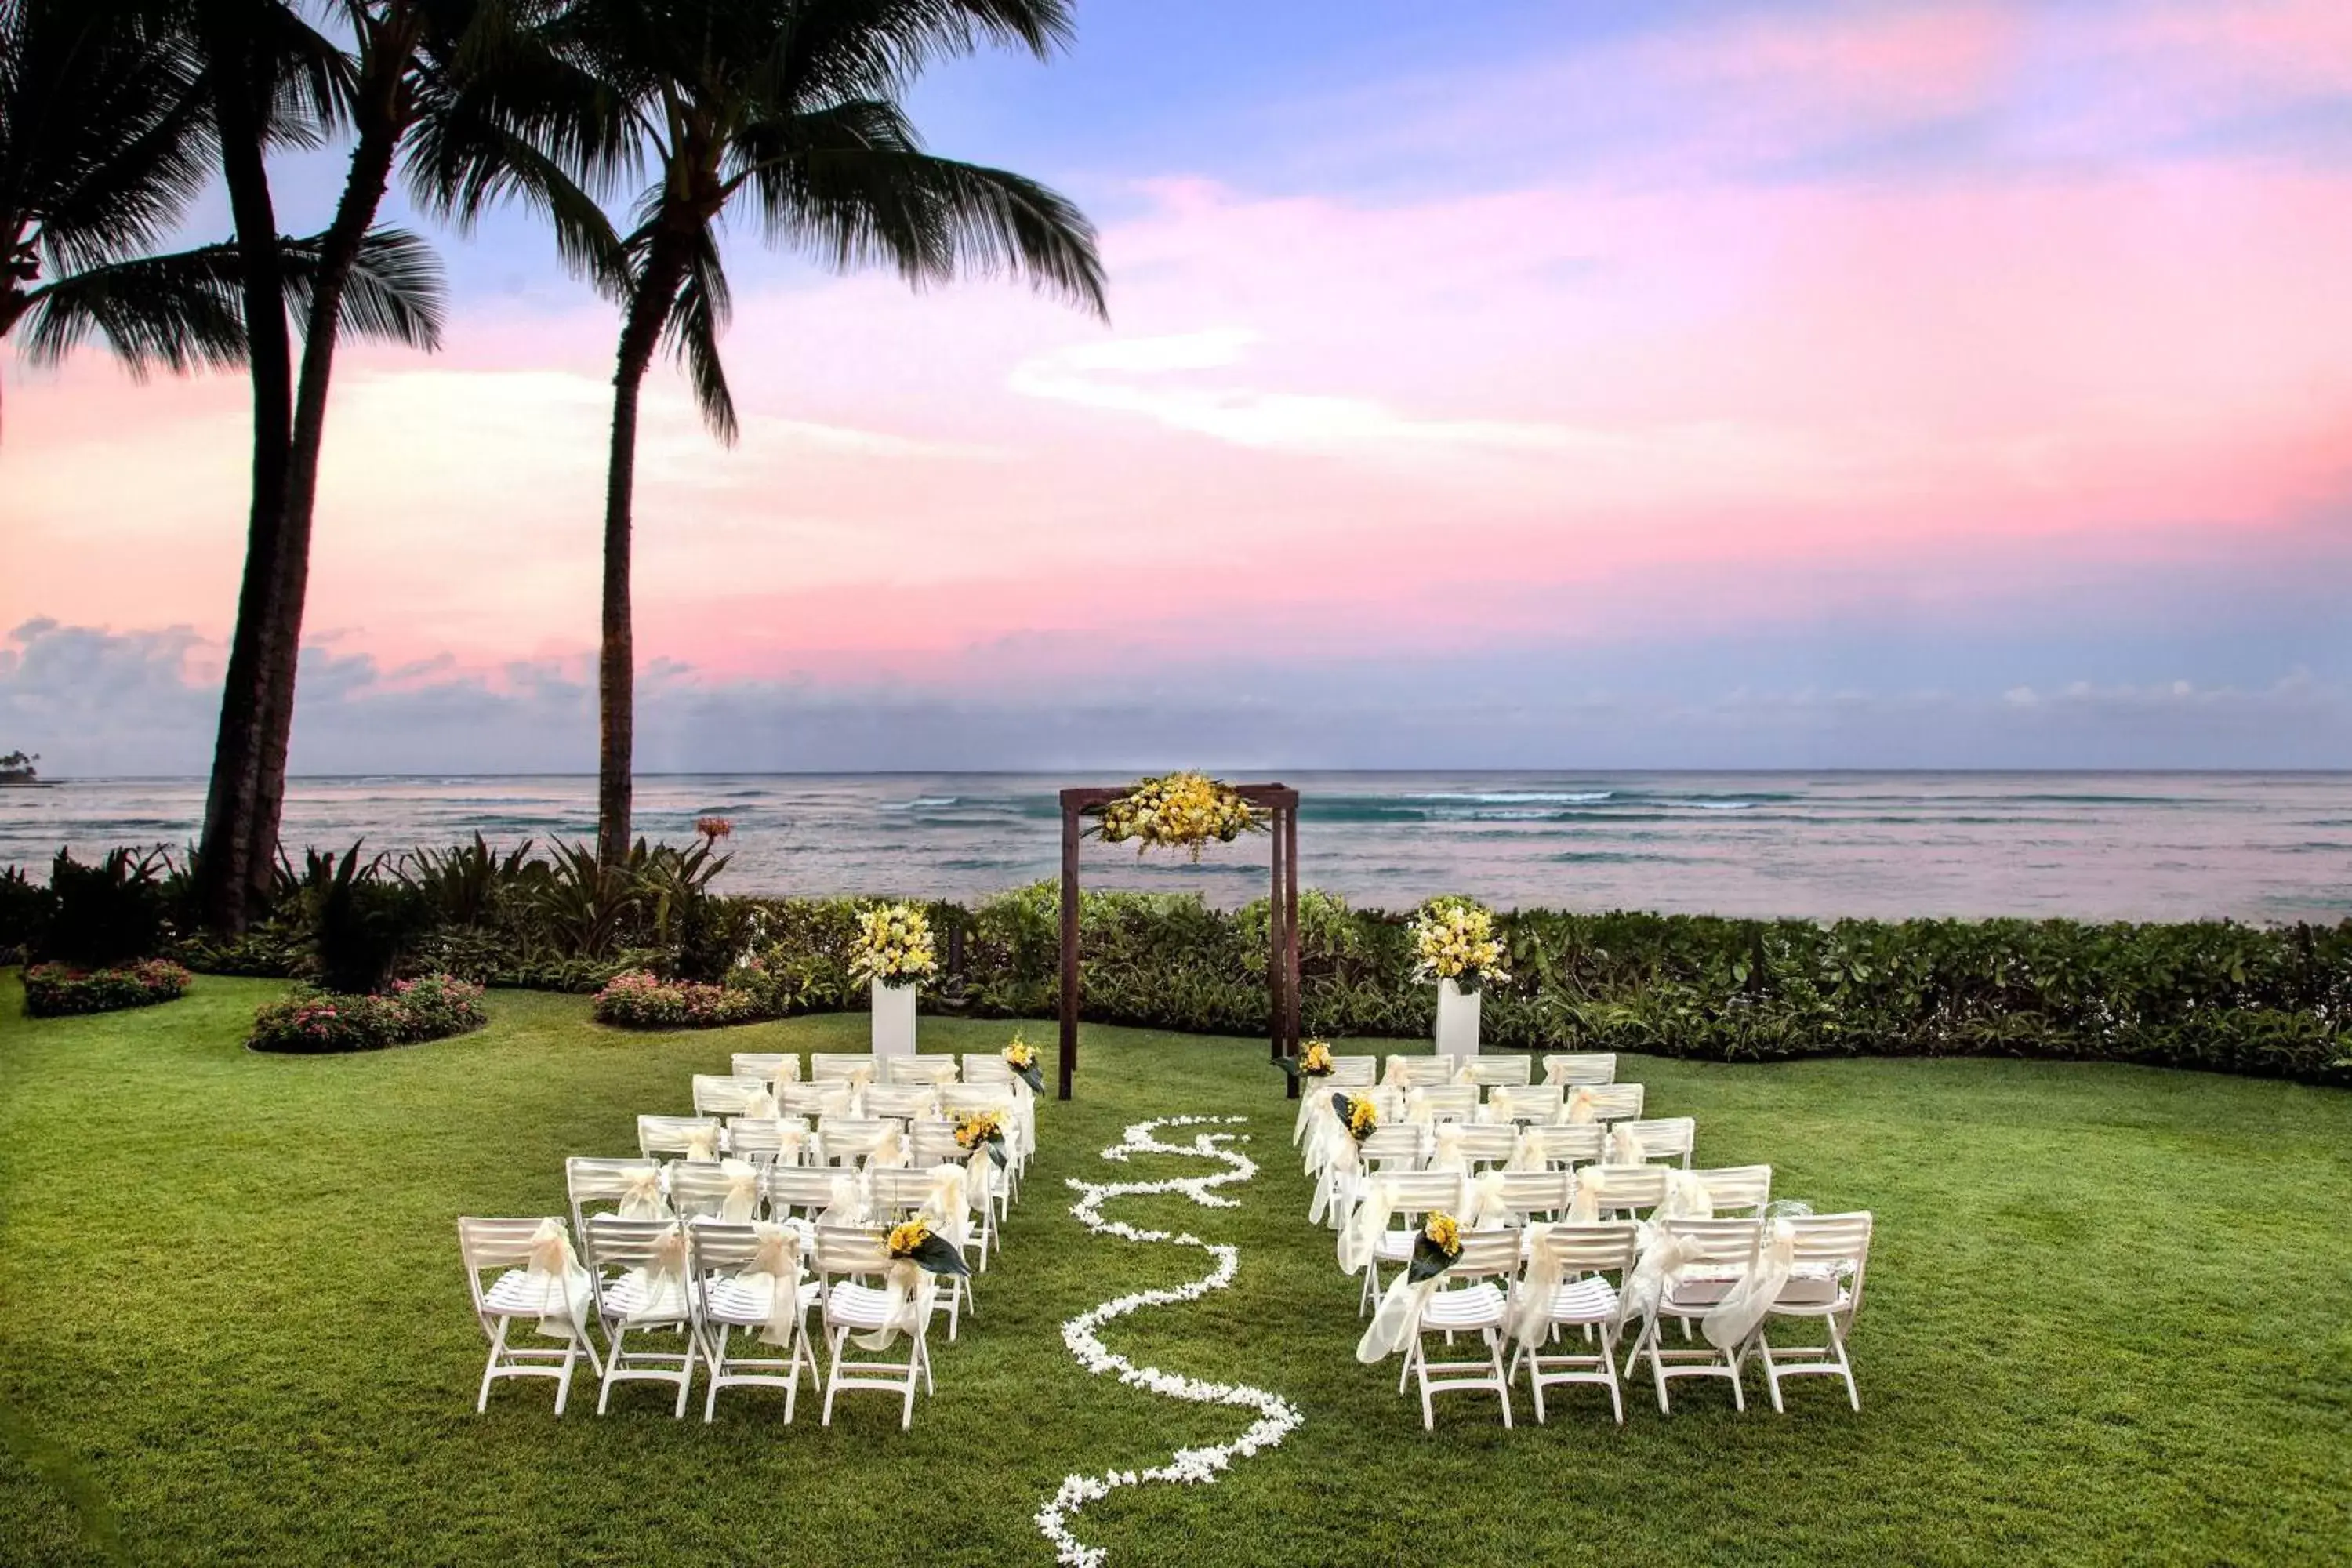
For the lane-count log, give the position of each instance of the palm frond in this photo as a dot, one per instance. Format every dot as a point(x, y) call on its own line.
point(180, 311)
point(395, 292)
point(696, 323)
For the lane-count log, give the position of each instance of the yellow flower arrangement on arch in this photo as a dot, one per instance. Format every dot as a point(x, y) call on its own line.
point(1177, 811)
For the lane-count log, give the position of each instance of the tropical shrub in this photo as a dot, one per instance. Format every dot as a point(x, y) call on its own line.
point(24, 911)
point(57, 989)
point(643, 1000)
point(104, 915)
point(311, 1020)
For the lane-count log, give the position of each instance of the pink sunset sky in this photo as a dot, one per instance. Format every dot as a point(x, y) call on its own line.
point(1728, 363)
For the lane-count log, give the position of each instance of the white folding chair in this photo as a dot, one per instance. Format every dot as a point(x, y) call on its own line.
point(930, 1069)
point(610, 1185)
point(696, 1138)
point(904, 1101)
point(1486, 1072)
point(934, 1143)
point(1483, 1146)
point(1447, 1102)
point(844, 1140)
point(981, 1067)
point(1351, 1072)
point(1587, 1068)
point(1720, 1253)
point(1666, 1137)
point(902, 1194)
point(967, 1099)
point(765, 1143)
point(806, 1100)
point(640, 1269)
point(807, 1191)
point(1622, 1192)
point(769, 1067)
point(1539, 1103)
point(1411, 1196)
point(845, 1256)
point(1731, 1188)
point(540, 1298)
point(700, 1191)
point(1831, 1253)
point(726, 1259)
point(1616, 1101)
point(728, 1095)
point(1535, 1196)
point(1468, 1300)
point(1569, 1145)
point(1418, 1072)
point(836, 1067)
point(1589, 1264)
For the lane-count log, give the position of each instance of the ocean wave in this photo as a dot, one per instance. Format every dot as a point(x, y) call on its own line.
point(1517, 797)
point(920, 803)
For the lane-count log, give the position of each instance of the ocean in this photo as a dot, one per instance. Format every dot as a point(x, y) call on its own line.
point(2253, 846)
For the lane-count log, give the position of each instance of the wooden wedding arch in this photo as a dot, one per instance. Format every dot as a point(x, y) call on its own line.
point(1280, 803)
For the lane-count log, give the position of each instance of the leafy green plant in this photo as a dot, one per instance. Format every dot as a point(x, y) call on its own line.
point(106, 915)
point(362, 924)
point(57, 989)
point(311, 1021)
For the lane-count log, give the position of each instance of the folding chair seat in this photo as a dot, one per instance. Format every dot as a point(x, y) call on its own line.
point(1616, 1101)
point(1704, 1260)
point(634, 1189)
point(840, 1067)
point(539, 1280)
point(1487, 1072)
point(732, 1191)
point(696, 1138)
point(1575, 1279)
point(1666, 1137)
point(843, 1138)
point(903, 1102)
point(1418, 1072)
point(1472, 1298)
point(1828, 1255)
point(640, 1271)
point(1731, 1188)
point(1587, 1068)
point(1535, 1103)
point(739, 1271)
point(1401, 1198)
point(784, 1140)
point(730, 1096)
point(846, 1259)
point(1617, 1192)
point(933, 1070)
point(1569, 1145)
point(770, 1068)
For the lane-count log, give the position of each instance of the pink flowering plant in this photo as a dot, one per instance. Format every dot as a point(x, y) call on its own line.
point(432, 1007)
point(642, 1000)
point(57, 989)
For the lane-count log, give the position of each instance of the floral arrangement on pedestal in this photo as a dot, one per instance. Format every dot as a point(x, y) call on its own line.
point(1454, 938)
point(893, 946)
point(1022, 1057)
point(1177, 811)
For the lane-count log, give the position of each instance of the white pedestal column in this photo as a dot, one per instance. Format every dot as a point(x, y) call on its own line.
point(1457, 1020)
point(894, 1018)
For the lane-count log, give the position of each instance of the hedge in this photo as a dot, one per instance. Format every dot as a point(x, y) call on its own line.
point(311, 1021)
point(2270, 1001)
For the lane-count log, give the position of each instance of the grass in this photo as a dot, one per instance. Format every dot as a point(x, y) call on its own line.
point(2106, 1322)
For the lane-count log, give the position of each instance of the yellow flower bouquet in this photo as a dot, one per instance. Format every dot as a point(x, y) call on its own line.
point(1434, 1248)
point(1313, 1060)
point(1454, 938)
point(1177, 811)
point(1022, 1057)
point(894, 944)
point(976, 1129)
point(913, 1242)
point(1356, 1114)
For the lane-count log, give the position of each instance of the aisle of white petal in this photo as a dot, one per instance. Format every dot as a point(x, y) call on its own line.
point(1277, 1415)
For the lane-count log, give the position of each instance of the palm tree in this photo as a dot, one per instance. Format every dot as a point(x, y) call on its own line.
point(794, 108)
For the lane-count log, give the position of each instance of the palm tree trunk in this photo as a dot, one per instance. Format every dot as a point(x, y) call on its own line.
point(363, 188)
point(649, 309)
point(224, 875)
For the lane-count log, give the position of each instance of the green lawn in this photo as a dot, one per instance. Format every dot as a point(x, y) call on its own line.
point(2107, 1322)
